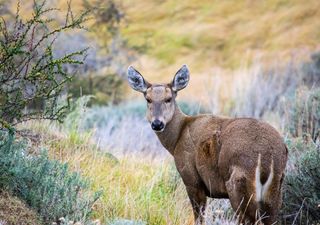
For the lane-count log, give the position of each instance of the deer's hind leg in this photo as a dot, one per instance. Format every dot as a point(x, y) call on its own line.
point(241, 201)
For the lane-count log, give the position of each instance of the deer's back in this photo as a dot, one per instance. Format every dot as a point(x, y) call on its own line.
point(237, 143)
point(243, 140)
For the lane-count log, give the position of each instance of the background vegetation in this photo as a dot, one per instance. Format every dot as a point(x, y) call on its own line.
point(102, 164)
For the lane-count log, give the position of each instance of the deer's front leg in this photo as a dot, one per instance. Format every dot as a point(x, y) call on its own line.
point(198, 200)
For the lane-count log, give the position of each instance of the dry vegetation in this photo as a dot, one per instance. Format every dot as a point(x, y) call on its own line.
point(218, 34)
point(215, 37)
point(14, 211)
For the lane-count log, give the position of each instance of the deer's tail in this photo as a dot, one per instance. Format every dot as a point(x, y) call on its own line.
point(262, 189)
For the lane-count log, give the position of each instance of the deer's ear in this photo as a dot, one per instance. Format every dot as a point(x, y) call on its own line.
point(136, 80)
point(181, 79)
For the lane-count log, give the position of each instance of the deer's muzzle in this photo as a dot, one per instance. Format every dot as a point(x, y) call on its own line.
point(157, 125)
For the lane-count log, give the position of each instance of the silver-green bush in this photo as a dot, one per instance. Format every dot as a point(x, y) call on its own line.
point(47, 186)
point(302, 187)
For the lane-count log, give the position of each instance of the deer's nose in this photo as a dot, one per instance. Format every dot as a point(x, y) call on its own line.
point(157, 125)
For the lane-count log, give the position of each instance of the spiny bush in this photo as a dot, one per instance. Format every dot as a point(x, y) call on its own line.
point(31, 75)
point(47, 186)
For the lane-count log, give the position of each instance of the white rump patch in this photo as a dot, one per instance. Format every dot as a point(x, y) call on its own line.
point(261, 189)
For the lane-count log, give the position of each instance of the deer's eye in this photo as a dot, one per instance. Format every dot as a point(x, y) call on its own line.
point(148, 100)
point(168, 100)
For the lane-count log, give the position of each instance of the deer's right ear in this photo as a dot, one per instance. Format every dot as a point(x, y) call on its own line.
point(181, 79)
point(136, 80)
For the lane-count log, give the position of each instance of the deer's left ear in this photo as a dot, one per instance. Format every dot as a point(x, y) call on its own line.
point(136, 80)
point(181, 79)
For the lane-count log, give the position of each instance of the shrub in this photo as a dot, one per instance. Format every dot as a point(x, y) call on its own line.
point(48, 186)
point(31, 76)
point(302, 187)
point(303, 118)
point(104, 89)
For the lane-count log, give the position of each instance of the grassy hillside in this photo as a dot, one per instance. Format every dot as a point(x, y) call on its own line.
point(216, 37)
point(224, 34)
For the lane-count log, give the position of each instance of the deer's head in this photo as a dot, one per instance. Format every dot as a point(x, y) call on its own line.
point(160, 98)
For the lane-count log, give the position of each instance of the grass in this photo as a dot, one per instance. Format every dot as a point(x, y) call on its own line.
point(14, 211)
point(133, 188)
point(45, 185)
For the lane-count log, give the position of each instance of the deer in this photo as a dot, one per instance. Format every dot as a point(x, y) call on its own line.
point(241, 159)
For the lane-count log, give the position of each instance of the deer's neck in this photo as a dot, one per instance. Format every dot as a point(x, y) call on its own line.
point(171, 134)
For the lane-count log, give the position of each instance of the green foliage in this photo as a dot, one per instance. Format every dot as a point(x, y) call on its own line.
point(48, 186)
point(108, 16)
point(301, 201)
point(104, 89)
point(304, 115)
point(31, 76)
point(302, 187)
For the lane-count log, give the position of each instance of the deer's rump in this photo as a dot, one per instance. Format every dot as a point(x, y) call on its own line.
point(256, 150)
point(243, 140)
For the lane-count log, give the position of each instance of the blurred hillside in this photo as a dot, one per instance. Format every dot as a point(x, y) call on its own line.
point(208, 34)
point(215, 37)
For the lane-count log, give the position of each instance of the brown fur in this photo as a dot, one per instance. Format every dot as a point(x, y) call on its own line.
point(218, 157)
